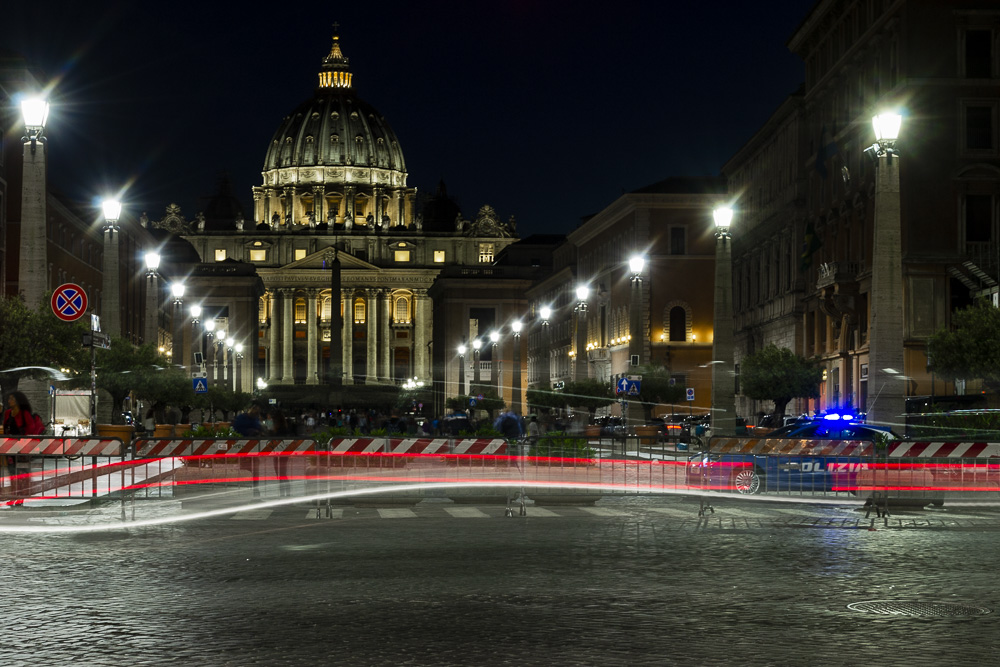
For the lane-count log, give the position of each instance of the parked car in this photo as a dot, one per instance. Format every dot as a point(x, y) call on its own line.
point(611, 427)
point(813, 463)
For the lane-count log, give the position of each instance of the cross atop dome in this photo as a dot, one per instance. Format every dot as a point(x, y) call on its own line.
point(334, 73)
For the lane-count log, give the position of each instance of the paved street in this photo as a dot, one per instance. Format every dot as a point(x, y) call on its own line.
point(628, 581)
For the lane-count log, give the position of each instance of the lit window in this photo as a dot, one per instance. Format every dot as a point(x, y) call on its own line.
point(300, 253)
point(485, 252)
point(220, 254)
point(402, 310)
point(402, 255)
point(438, 256)
point(359, 311)
point(300, 311)
point(258, 255)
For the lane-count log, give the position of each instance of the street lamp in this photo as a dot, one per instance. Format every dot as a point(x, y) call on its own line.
point(495, 361)
point(636, 264)
point(225, 360)
point(237, 380)
point(461, 369)
point(177, 323)
point(210, 347)
point(33, 265)
point(515, 397)
point(723, 366)
point(546, 371)
point(885, 347)
point(582, 292)
point(151, 328)
point(476, 344)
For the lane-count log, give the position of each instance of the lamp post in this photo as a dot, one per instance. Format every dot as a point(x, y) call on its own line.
point(885, 347)
point(546, 371)
point(515, 383)
point(635, 342)
point(111, 311)
point(495, 361)
point(33, 263)
point(226, 368)
point(237, 366)
point(723, 364)
point(476, 345)
point(461, 369)
point(196, 344)
point(151, 325)
point(210, 348)
point(580, 367)
point(219, 351)
point(177, 323)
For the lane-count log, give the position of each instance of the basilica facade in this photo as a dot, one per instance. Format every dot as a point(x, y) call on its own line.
point(344, 249)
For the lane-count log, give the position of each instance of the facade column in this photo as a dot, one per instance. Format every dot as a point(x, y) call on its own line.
point(287, 326)
point(348, 337)
point(311, 340)
point(385, 349)
point(319, 195)
point(377, 196)
point(349, 207)
point(421, 325)
point(371, 319)
point(274, 342)
point(400, 212)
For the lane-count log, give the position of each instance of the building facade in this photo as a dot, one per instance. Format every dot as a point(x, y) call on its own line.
point(807, 190)
point(335, 190)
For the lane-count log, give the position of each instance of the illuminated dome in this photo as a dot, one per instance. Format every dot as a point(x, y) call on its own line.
point(334, 159)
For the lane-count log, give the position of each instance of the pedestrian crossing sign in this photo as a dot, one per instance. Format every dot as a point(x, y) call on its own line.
point(200, 386)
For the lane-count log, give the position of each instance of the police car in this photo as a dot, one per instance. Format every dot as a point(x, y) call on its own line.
point(832, 453)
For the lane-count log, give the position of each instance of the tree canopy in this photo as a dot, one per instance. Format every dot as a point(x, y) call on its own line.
point(656, 388)
point(777, 374)
point(36, 343)
point(970, 349)
point(588, 393)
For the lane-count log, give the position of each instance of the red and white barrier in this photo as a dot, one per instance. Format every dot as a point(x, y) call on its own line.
point(38, 446)
point(341, 446)
point(814, 447)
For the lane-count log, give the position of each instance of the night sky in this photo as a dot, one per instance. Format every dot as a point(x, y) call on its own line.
point(547, 111)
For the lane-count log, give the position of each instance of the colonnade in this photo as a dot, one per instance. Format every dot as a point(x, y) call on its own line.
point(371, 336)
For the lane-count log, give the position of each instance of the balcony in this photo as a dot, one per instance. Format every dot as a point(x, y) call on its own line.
point(837, 273)
point(598, 354)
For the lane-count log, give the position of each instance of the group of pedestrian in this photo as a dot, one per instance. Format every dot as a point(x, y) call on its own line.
point(19, 419)
point(274, 425)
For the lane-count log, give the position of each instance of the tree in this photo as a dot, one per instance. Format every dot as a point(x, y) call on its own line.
point(656, 388)
point(123, 368)
point(545, 400)
point(589, 393)
point(36, 344)
point(971, 348)
point(778, 374)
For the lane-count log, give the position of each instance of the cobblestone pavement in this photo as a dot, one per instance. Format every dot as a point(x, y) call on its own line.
point(630, 581)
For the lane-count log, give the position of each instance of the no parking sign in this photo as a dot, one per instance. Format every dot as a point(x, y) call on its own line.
point(69, 302)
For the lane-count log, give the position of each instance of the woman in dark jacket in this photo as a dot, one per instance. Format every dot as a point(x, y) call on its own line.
point(19, 419)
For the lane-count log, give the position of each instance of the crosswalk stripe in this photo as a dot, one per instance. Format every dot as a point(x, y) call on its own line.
point(252, 515)
point(603, 511)
point(396, 513)
point(466, 513)
point(321, 514)
point(540, 512)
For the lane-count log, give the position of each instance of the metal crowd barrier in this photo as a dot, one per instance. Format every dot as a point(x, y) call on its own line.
point(39, 468)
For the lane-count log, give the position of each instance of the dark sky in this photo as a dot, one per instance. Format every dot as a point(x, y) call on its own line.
point(548, 111)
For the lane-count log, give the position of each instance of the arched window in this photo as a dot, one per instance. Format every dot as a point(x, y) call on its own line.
point(359, 311)
point(324, 312)
point(300, 311)
point(401, 311)
point(678, 324)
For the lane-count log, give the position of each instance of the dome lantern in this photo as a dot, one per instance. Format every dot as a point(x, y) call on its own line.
point(334, 73)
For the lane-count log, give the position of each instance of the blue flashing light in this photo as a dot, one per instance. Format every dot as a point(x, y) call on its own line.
point(837, 416)
point(831, 417)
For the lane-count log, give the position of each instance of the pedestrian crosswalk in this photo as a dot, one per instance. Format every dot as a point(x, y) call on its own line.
point(444, 511)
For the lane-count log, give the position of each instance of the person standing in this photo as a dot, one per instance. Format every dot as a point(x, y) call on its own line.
point(248, 425)
point(19, 419)
point(280, 429)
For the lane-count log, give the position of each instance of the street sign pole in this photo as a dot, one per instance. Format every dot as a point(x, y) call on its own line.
point(94, 328)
